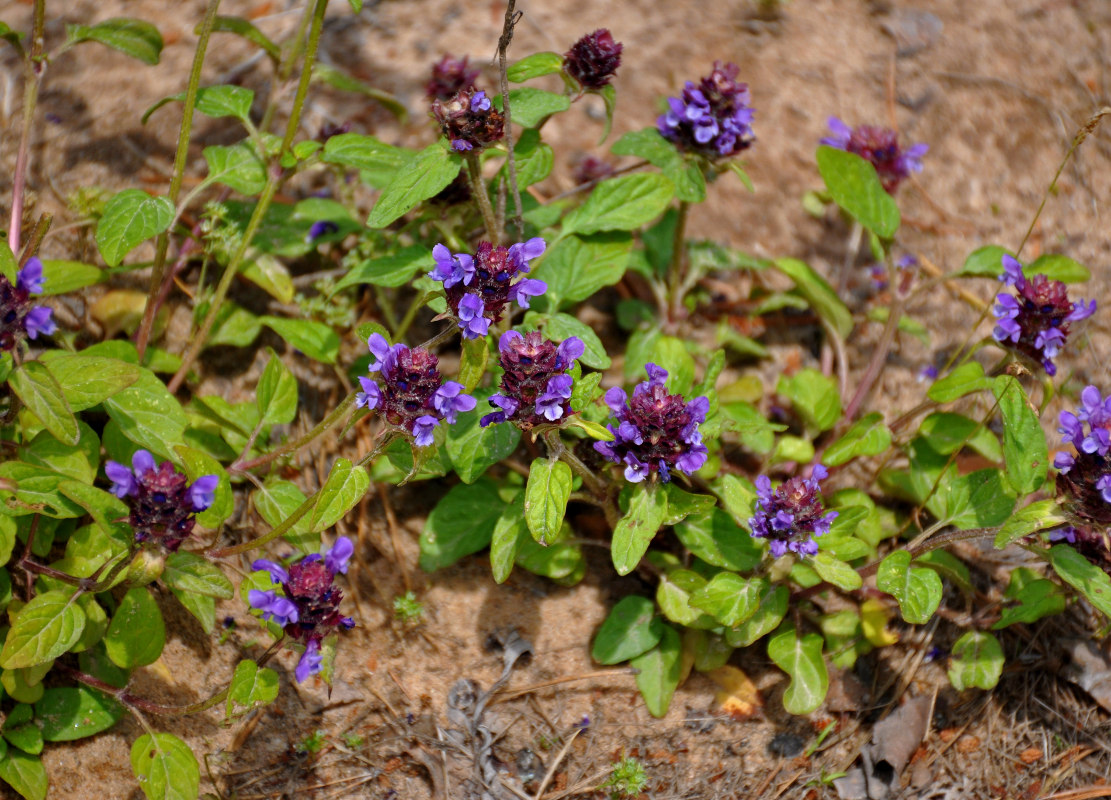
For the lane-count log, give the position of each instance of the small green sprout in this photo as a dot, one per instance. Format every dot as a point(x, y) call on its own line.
point(628, 779)
point(407, 609)
point(312, 744)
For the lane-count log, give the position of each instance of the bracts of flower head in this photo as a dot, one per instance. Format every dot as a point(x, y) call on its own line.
point(409, 392)
point(20, 318)
point(163, 502)
point(791, 516)
point(469, 120)
point(479, 287)
point(713, 118)
point(593, 60)
point(1035, 320)
point(307, 608)
point(880, 147)
point(449, 77)
point(656, 432)
point(535, 386)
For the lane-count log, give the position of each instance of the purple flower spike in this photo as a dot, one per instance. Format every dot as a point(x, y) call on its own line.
point(369, 397)
point(449, 400)
point(524, 289)
point(469, 120)
point(1084, 477)
point(535, 389)
point(30, 277)
point(593, 60)
point(471, 319)
point(310, 663)
point(203, 492)
point(880, 147)
point(1035, 320)
point(320, 228)
point(379, 348)
point(337, 557)
point(123, 482)
point(509, 340)
point(550, 404)
point(273, 606)
point(792, 516)
point(19, 318)
point(423, 428)
point(449, 77)
point(713, 119)
point(488, 278)
point(656, 432)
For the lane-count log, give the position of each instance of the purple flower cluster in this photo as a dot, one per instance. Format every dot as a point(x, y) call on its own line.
point(593, 60)
point(479, 287)
point(535, 386)
point(469, 120)
point(19, 317)
point(449, 77)
point(409, 392)
point(712, 119)
point(162, 501)
point(1035, 322)
point(308, 608)
point(880, 147)
point(656, 432)
point(791, 516)
point(1085, 478)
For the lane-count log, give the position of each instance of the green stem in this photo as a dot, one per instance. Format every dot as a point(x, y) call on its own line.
point(675, 270)
point(292, 447)
point(162, 244)
point(478, 189)
point(261, 207)
point(284, 527)
point(32, 79)
point(285, 68)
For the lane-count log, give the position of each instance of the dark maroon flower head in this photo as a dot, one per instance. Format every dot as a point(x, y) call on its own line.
point(712, 119)
point(593, 59)
point(449, 77)
point(535, 386)
point(469, 120)
point(791, 516)
point(328, 130)
point(880, 147)
point(591, 169)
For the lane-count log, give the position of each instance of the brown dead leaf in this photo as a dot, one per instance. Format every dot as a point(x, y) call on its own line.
point(968, 744)
point(948, 735)
point(1090, 669)
point(738, 696)
point(1030, 755)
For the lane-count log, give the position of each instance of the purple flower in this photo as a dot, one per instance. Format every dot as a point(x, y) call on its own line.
point(489, 280)
point(480, 102)
point(880, 147)
point(1035, 320)
point(451, 269)
point(19, 318)
point(593, 60)
point(320, 228)
point(163, 503)
point(469, 120)
point(1084, 477)
point(791, 517)
point(310, 662)
point(712, 119)
point(273, 606)
point(339, 554)
point(535, 389)
point(927, 373)
point(656, 432)
point(471, 320)
point(449, 77)
point(524, 289)
point(277, 572)
point(409, 393)
point(30, 277)
point(522, 253)
point(461, 145)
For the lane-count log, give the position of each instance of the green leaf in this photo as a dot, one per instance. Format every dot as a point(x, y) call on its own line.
point(948, 432)
point(918, 589)
point(63, 277)
point(21, 732)
point(137, 632)
point(868, 436)
point(690, 185)
point(34, 384)
point(636, 529)
point(247, 30)
point(166, 767)
point(214, 101)
point(818, 293)
point(719, 541)
point(624, 203)
point(986, 261)
point(129, 219)
point(202, 607)
point(315, 339)
point(546, 495)
point(977, 661)
point(49, 625)
point(632, 628)
point(592, 429)
point(1075, 570)
point(1057, 267)
point(472, 448)
point(980, 499)
point(965, 379)
point(148, 415)
point(70, 713)
point(392, 270)
point(659, 670)
point(250, 687)
point(133, 37)
point(673, 596)
point(24, 773)
point(276, 500)
point(534, 66)
point(472, 362)
point(238, 166)
point(234, 326)
point(948, 566)
point(769, 613)
point(460, 524)
point(506, 538)
point(377, 161)
point(559, 327)
point(730, 598)
point(1037, 516)
point(1024, 446)
point(89, 380)
point(577, 267)
point(189, 572)
point(814, 397)
point(276, 393)
point(855, 187)
point(801, 659)
point(668, 352)
point(1037, 599)
point(533, 159)
point(532, 106)
point(338, 79)
point(561, 562)
point(346, 485)
point(681, 505)
point(833, 570)
point(425, 176)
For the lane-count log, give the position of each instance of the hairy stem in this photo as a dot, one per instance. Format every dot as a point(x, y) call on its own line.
point(32, 79)
point(675, 270)
point(506, 37)
point(879, 357)
point(478, 189)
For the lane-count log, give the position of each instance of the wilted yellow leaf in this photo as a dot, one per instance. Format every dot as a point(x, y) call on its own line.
point(873, 621)
point(738, 696)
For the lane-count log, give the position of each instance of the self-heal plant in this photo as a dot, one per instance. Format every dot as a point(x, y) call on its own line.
point(656, 432)
point(410, 393)
point(469, 120)
point(479, 287)
point(880, 147)
point(535, 386)
point(713, 118)
point(450, 76)
point(593, 60)
point(1035, 320)
point(791, 516)
point(19, 317)
point(307, 610)
point(163, 502)
point(1084, 479)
